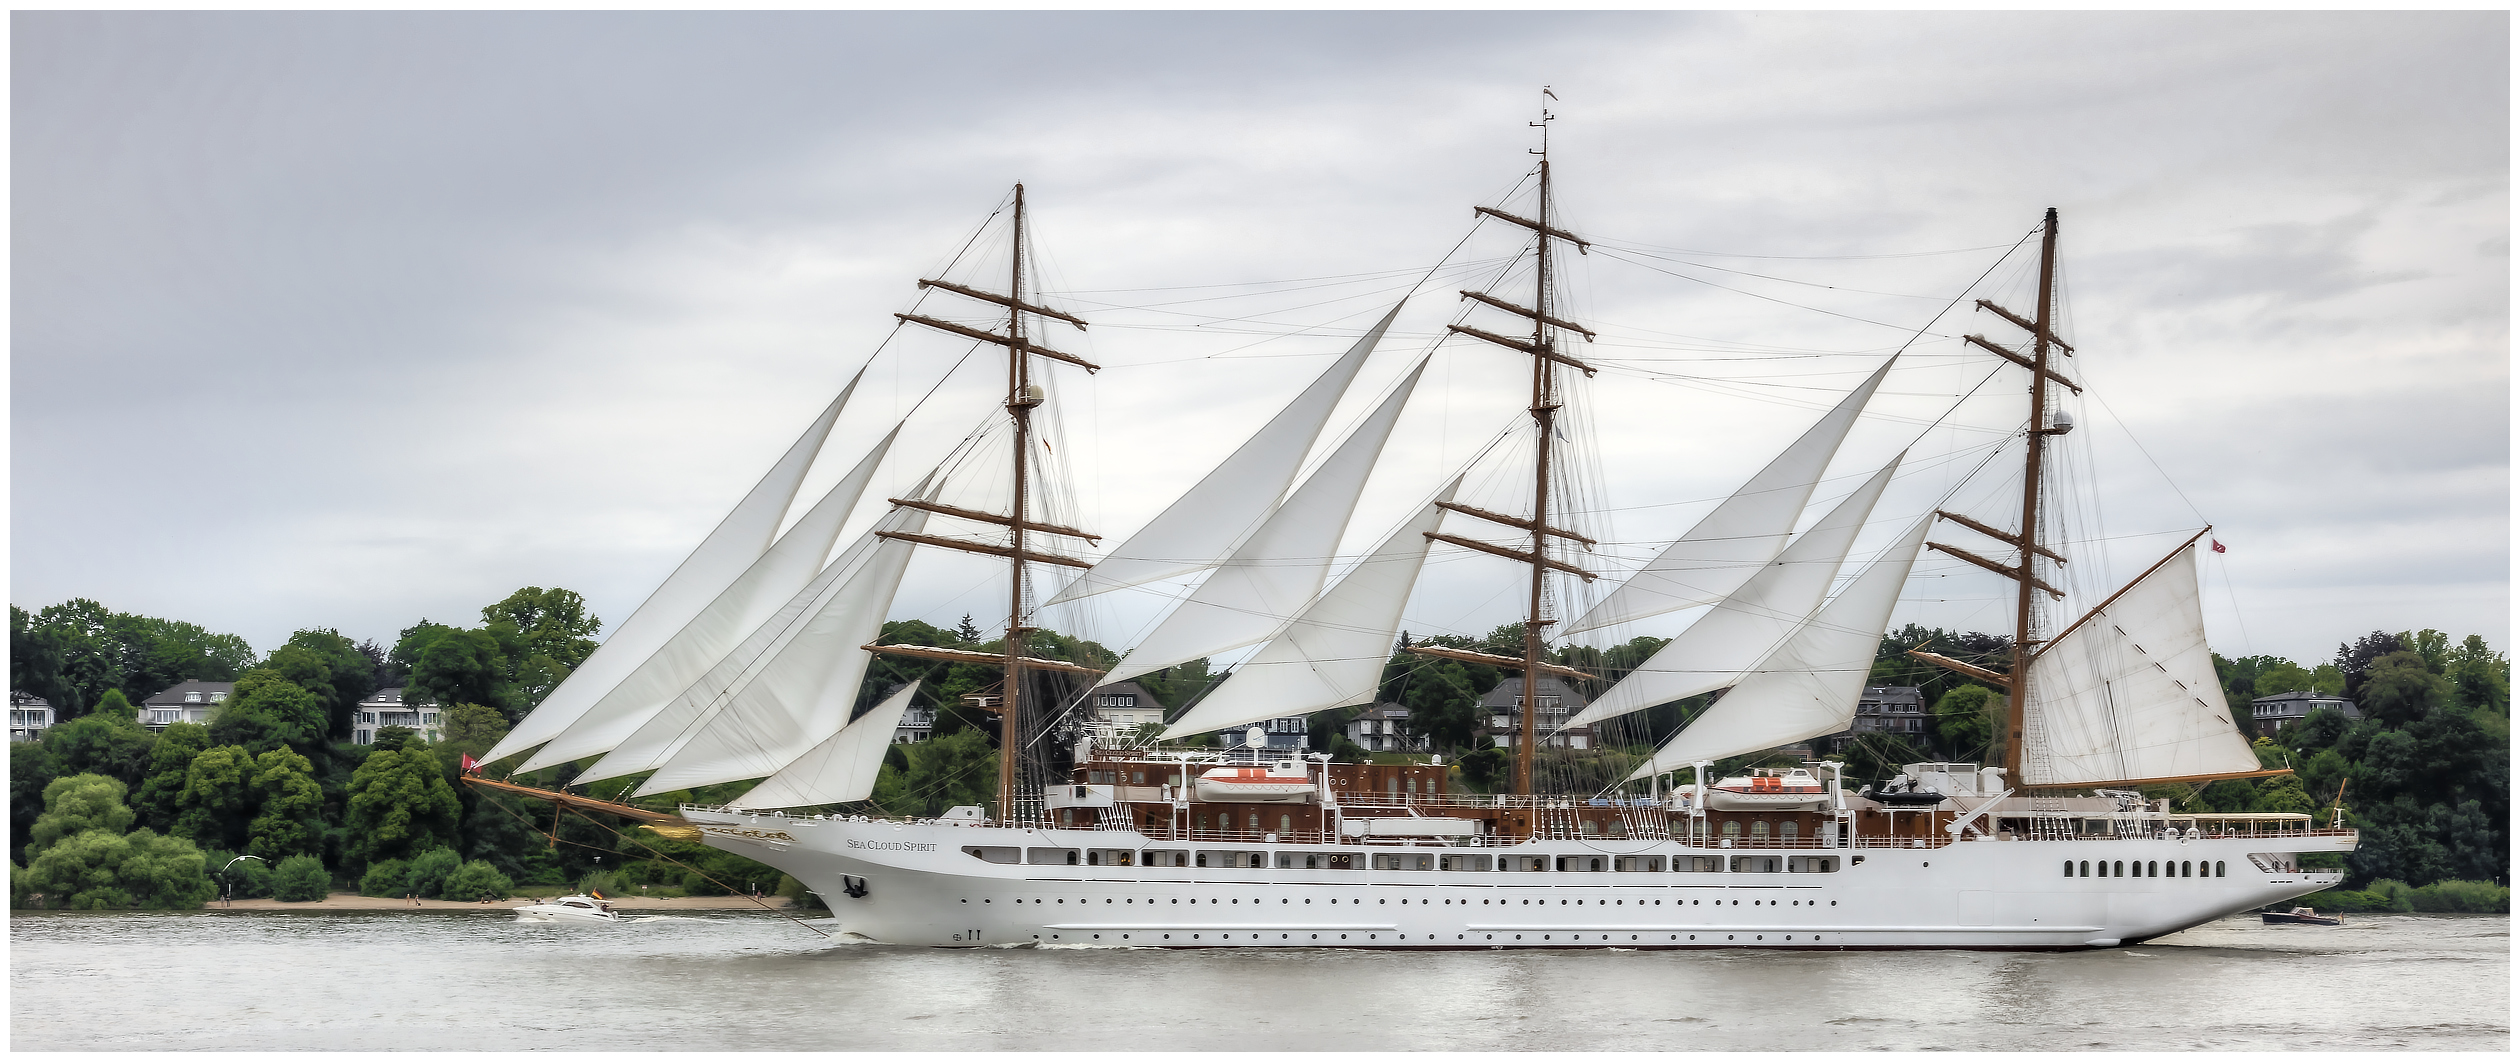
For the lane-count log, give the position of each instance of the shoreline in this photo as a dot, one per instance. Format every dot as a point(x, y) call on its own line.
point(351, 901)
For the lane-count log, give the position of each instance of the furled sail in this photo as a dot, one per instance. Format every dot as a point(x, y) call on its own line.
point(2129, 692)
point(720, 559)
point(1751, 622)
point(1332, 654)
point(674, 721)
point(1809, 686)
point(802, 695)
point(843, 767)
point(1731, 544)
point(1280, 567)
point(741, 608)
point(1215, 515)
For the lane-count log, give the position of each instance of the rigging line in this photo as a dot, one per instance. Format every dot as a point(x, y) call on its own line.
point(2139, 448)
point(1787, 280)
point(1625, 245)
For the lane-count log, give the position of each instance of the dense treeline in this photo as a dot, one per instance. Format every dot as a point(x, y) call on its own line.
point(272, 799)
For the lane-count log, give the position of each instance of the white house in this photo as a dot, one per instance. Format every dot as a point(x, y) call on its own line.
point(386, 708)
point(29, 716)
point(1385, 728)
point(189, 701)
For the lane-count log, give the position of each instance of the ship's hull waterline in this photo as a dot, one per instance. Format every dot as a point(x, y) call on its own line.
point(917, 885)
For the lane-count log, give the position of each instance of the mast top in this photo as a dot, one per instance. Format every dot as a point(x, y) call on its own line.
point(1543, 124)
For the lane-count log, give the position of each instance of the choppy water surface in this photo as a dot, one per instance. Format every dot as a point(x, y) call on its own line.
point(366, 981)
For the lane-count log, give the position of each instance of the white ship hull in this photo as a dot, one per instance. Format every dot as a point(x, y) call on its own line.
point(920, 887)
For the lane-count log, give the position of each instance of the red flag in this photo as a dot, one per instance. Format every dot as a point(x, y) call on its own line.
point(471, 765)
point(2218, 546)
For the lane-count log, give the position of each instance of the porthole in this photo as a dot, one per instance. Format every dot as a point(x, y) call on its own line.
point(966, 901)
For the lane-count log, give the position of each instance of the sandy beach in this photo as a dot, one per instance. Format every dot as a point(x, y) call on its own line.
point(351, 901)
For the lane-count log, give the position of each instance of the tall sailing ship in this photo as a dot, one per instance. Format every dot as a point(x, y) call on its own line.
point(748, 662)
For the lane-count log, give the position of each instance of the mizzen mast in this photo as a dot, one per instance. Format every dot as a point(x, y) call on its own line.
point(1545, 402)
point(2041, 327)
point(1022, 397)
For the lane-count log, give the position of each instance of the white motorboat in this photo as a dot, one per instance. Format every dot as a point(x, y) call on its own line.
point(1284, 783)
point(578, 908)
point(1789, 789)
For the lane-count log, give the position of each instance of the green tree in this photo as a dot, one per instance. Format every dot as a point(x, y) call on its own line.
point(113, 705)
point(2480, 677)
point(289, 807)
point(80, 803)
point(1966, 718)
point(454, 666)
point(400, 804)
point(542, 635)
point(956, 769)
point(429, 870)
point(2399, 688)
point(471, 729)
point(2282, 793)
point(269, 711)
point(31, 769)
point(157, 797)
point(389, 878)
point(300, 879)
point(98, 744)
point(83, 872)
point(349, 675)
point(217, 801)
point(477, 880)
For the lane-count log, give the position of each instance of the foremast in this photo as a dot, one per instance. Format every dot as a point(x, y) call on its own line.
point(1022, 397)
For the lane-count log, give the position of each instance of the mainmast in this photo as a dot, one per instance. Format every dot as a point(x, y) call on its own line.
point(1022, 397)
point(1545, 402)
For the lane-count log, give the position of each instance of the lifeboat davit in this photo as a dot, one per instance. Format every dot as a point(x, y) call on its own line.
point(1287, 783)
point(1768, 790)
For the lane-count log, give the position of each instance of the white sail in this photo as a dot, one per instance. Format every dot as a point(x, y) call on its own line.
point(1809, 686)
point(1205, 524)
point(1729, 545)
point(729, 550)
point(843, 767)
point(2129, 693)
point(674, 721)
point(741, 608)
point(1281, 566)
point(1747, 625)
point(801, 696)
point(1333, 653)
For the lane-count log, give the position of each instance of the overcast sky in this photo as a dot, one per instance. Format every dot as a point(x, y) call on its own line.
point(349, 320)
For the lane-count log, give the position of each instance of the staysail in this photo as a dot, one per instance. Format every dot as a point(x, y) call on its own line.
point(739, 609)
point(1281, 566)
point(723, 556)
point(843, 767)
point(1225, 506)
point(2129, 692)
point(803, 694)
point(1810, 685)
point(1731, 544)
point(1749, 623)
point(1333, 653)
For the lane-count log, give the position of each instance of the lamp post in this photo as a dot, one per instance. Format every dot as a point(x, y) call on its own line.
point(227, 888)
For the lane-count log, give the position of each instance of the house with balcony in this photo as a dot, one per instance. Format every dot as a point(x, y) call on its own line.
point(386, 707)
point(2277, 711)
point(189, 701)
point(29, 717)
point(1898, 710)
point(1556, 702)
point(1385, 728)
point(1292, 732)
point(1125, 705)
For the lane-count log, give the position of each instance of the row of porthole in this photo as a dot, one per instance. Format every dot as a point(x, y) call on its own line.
point(2144, 869)
point(1466, 903)
point(1431, 936)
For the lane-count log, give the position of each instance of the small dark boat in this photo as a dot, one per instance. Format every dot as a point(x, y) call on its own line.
point(2299, 916)
point(1905, 798)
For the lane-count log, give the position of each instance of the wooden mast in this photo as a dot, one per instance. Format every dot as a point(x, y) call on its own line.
point(1544, 406)
point(1021, 400)
point(1019, 405)
point(2018, 697)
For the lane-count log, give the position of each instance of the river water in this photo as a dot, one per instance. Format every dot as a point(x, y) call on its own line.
point(480, 981)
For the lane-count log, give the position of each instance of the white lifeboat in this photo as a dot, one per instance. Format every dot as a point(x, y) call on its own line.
point(1793, 789)
point(1285, 783)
